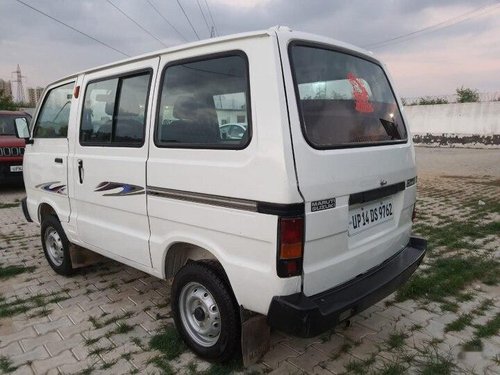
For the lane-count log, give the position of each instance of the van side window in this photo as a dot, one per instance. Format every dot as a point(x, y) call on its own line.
point(52, 122)
point(114, 111)
point(205, 104)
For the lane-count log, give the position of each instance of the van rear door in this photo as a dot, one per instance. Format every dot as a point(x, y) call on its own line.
point(353, 159)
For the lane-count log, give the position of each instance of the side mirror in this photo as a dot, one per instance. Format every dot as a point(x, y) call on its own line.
point(22, 129)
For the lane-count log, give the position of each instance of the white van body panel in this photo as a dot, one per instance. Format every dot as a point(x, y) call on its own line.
point(244, 242)
point(44, 175)
point(262, 171)
point(46, 168)
point(331, 256)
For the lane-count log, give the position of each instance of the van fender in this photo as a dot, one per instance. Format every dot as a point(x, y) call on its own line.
point(238, 270)
point(46, 200)
point(180, 248)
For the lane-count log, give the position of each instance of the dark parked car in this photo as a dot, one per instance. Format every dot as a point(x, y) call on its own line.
point(12, 145)
point(233, 131)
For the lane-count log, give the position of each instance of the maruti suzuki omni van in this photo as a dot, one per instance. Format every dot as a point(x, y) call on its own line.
point(303, 214)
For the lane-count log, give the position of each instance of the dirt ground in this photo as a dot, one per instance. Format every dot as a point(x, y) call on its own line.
point(111, 318)
point(458, 161)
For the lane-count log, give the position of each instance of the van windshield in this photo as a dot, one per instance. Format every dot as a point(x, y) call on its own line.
point(344, 100)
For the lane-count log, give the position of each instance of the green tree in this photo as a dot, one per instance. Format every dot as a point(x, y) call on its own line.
point(467, 95)
point(6, 102)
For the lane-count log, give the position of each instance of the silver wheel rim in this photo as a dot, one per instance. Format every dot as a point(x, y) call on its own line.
point(54, 246)
point(199, 314)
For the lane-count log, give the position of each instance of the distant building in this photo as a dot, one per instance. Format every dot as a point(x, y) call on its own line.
point(232, 116)
point(34, 95)
point(6, 87)
point(231, 108)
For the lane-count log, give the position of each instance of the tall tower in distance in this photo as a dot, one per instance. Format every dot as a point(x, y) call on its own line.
point(19, 82)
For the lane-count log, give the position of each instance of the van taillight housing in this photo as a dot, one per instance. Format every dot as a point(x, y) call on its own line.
point(414, 213)
point(290, 246)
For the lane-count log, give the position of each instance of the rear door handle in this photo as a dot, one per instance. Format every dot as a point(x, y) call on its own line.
point(58, 160)
point(80, 170)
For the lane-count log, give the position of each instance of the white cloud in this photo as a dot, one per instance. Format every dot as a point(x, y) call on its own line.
point(241, 3)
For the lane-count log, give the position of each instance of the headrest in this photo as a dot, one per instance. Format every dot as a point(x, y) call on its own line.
point(109, 108)
point(191, 108)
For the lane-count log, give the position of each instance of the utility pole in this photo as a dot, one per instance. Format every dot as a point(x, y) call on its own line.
point(19, 81)
point(212, 32)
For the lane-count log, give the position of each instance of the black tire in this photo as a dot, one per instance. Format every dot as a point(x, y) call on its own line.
point(228, 342)
point(49, 224)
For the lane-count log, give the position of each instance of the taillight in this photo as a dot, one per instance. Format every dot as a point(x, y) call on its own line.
point(414, 213)
point(290, 246)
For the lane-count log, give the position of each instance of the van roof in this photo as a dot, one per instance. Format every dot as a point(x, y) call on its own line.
point(247, 35)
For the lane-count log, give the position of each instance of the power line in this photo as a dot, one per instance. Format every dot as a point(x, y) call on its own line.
point(189, 21)
point(136, 23)
point(166, 20)
point(211, 17)
point(203, 15)
point(73, 28)
point(433, 27)
point(438, 26)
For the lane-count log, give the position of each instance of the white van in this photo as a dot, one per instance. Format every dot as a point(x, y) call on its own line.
point(304, 217)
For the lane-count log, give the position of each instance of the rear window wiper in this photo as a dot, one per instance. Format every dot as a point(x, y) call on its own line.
point(391, 128)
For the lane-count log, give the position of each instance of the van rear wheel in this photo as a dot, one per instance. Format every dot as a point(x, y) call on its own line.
point(205, 312)
point(56, 245)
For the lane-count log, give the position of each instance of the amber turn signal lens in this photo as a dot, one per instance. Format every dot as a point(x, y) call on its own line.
point(291, 251)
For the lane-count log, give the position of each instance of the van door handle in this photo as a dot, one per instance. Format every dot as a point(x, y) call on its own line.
point(58, 160)
point(80, 170)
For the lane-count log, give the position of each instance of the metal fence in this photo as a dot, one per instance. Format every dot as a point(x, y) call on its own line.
point(483, 97)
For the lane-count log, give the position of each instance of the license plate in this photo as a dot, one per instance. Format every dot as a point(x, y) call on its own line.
point(369, 215)
point(16, 168)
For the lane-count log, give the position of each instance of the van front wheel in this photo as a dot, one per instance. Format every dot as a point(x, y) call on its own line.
point(205, 313)
point(56, 245)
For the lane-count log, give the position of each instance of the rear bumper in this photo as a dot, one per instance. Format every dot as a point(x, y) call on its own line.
point(305, 316)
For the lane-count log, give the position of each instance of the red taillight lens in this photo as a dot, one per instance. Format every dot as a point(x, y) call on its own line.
point(290, 246)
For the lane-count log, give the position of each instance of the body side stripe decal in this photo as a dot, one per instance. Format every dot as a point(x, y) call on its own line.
point(214, 200)
point(293, 209)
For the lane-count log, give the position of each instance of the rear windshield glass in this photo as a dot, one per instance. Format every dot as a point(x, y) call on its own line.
point(344, 100)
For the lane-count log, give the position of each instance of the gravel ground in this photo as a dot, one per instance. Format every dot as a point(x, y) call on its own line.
point(458, 161)
point(103, 319)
